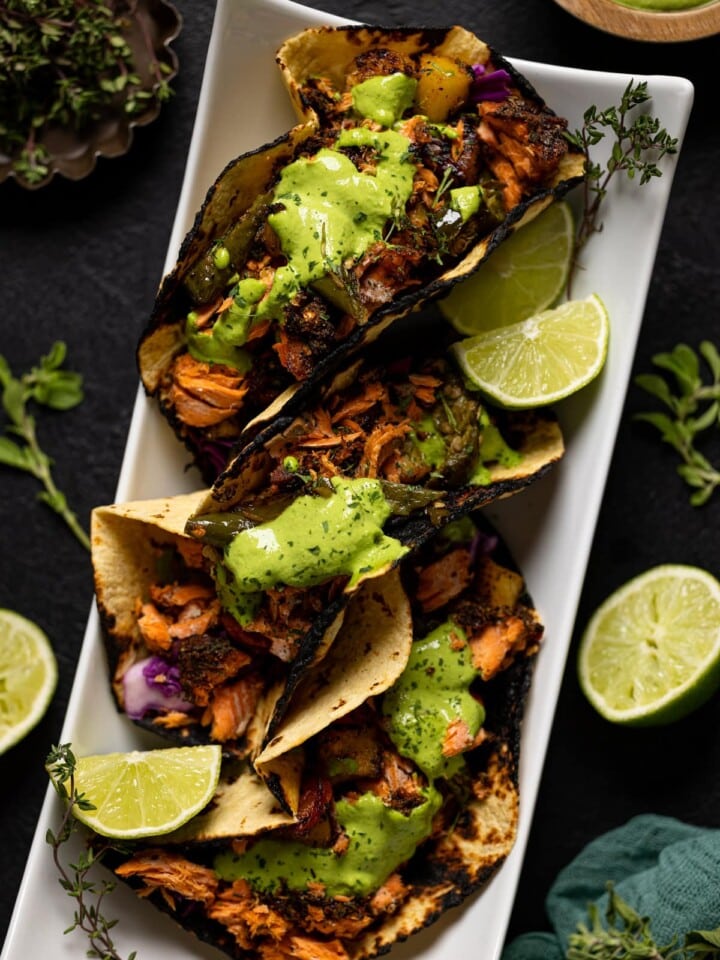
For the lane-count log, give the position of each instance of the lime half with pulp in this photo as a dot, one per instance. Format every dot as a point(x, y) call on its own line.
point(651, 652)
point(146, 793)
point(28, 676)
point(526, 274)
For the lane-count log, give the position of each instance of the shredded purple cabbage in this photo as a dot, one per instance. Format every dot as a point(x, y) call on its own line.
point(216, 452)
point(153, 684)
point(492, 85)
point(482, 543)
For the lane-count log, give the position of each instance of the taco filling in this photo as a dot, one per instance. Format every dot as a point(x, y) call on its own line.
point(409, 160)
point(407, 803)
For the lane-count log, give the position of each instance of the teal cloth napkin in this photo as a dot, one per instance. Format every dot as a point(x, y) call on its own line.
point(667, 870)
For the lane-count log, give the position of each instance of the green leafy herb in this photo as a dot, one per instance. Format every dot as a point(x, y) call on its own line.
point(694, 405)
point(49, 386)
point(639, 143)
point(63, 64)
point(75, 877)
point(626, 935)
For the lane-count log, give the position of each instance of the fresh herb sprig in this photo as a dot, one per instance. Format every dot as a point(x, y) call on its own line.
point(694, 404)
point(50, 386)
point(63, 63)
point(75, 877)
point(639, 143)
point(626, 935)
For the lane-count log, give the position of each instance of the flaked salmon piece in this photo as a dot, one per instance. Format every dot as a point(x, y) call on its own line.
point(163, 869)
point(154, 628)
point(207, 662)
point(180, 594)
point(233, 706)
point(372, 393)
point(390, 895)
point(172, 720)
point(496, 644)
point(457, 739)
point(397, 786)
point(381, 444)
point(191, 552)
point(442, 581)
point(205, 394)
point(322, 443)
point(239, 911)
point(194, 620)
point(344, 927)
point(308, 948)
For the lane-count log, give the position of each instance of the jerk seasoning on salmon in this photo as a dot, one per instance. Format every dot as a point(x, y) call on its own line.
point(408, 803)
point(420, 151)
point(181, 663)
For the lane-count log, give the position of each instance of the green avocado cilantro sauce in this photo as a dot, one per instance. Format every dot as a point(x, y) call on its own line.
point(664, 4)
point(384, 99)
point(314, 539)
point(380, 839)
point(329, 212)
point(432, 692)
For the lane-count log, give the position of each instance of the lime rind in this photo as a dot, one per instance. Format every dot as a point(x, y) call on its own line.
point(658, 658)
point(29, 674)
point(147, 793)
point(526, 274)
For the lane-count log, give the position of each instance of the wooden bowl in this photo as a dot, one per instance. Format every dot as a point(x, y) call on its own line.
point(657, 26)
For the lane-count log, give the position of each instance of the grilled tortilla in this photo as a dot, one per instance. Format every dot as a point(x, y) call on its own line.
point(418, 152)
point(386, 836)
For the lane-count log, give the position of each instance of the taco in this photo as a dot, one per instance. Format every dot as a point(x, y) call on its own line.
point(419, 152)
point(393, 448)
point(407, 804)
point(180, 664)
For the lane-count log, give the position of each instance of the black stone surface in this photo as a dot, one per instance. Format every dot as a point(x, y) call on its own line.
point(81, 262)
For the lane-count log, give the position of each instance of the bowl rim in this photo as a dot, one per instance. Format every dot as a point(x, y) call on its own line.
point(657, 26)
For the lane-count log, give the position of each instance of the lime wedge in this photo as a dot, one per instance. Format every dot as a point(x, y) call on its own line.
point(28, 676)
point(146, 793)
point(525, 275)
point(539, 360)
point(651, 652)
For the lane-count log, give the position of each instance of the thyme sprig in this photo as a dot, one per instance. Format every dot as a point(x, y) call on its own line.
point(626, 935)
point(694, 405)
point(639, 143)
point(50, 386)
point(63, 64)
point(74, 878)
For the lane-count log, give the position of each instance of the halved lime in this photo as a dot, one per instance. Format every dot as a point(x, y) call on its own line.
point(146, 793)
point(651, 652)
point(539, 360)
point(28, 676)
point(526, 274)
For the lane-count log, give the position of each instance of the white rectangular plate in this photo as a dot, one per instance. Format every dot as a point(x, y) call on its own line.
point(549, 527)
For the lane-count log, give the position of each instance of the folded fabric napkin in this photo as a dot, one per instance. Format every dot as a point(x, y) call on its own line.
point(667, 870)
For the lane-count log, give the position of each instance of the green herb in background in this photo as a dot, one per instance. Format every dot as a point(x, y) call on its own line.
point(64, 63)
point(694, 405)
point(74, 878)
point(638, 144)
point(49, 386)
point(627, 936)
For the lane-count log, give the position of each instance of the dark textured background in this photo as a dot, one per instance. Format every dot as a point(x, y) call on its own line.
point(81, 262)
